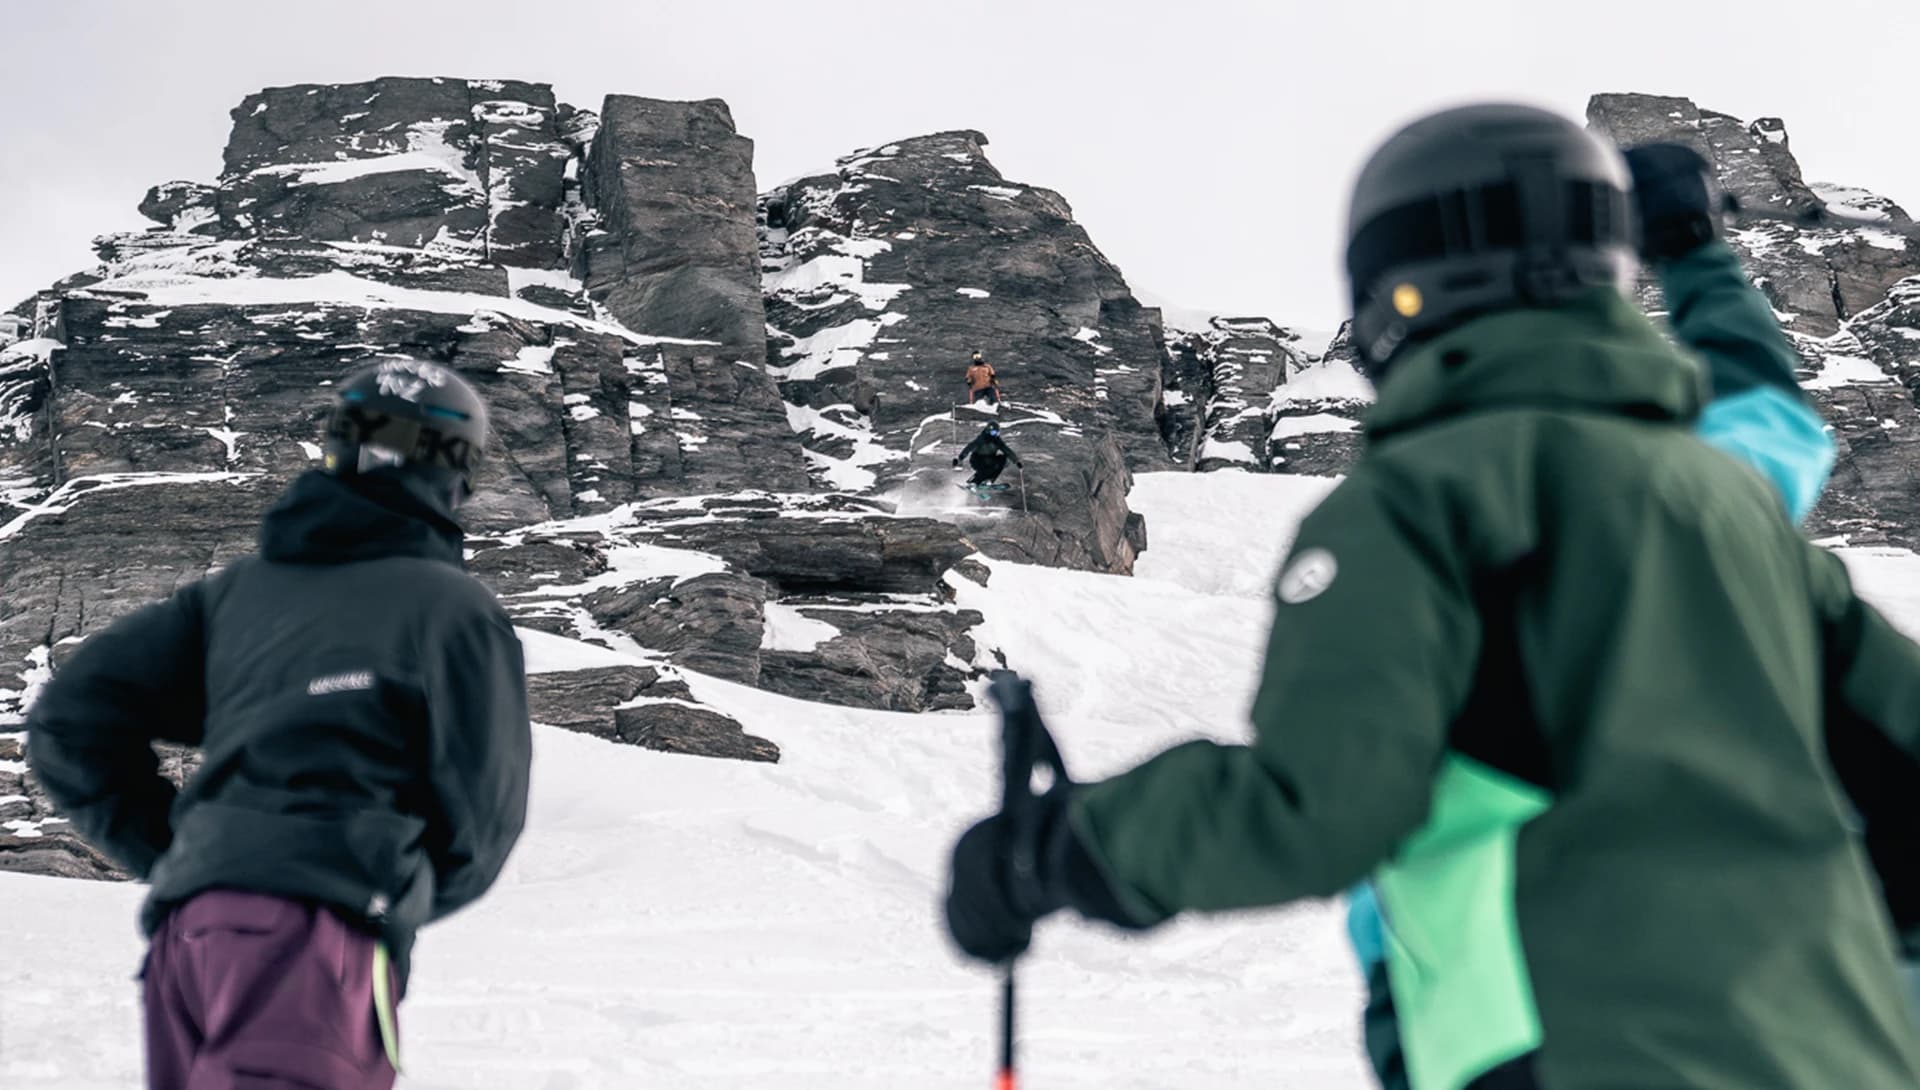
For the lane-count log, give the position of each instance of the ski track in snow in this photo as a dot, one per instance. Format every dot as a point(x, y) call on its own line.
point(680, 922)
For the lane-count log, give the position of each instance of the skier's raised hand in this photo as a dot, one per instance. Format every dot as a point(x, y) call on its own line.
point(1676, 197)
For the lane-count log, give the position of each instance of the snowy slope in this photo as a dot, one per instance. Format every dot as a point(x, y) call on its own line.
point(687, 923)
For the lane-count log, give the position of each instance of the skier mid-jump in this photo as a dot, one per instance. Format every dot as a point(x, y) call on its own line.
point(987, 455)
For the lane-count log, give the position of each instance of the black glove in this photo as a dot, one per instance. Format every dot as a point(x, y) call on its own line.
point(956, 463)
point(1009, 872)
point(1677, 199)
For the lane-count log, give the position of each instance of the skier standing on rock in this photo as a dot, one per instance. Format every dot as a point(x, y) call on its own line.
point(361, 707)
point(1561, 677)
point(983, 382)
point(987, 456)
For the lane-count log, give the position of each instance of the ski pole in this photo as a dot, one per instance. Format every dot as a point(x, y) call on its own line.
point(1009, 1076)
point(1025, 745)
point(1023, 489)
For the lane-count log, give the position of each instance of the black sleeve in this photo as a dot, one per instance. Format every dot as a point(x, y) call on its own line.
point(89, 734)
point(482, 751)
point(1873, 734)
point(968, 449)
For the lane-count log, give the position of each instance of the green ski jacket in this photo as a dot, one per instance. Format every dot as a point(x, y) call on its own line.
point(1557, 674)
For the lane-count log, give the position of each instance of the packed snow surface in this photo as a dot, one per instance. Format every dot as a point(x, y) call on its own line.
point(680, 922)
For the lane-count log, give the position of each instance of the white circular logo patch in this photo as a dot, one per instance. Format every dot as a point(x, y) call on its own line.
point(1310, 574)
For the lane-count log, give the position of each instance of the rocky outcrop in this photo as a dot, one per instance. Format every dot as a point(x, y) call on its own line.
point(671, 247)
point(902, 657)
point(152, 408)
point(1228, 376)
point(714, 584)
point(1866, 379)
point(885, 274)
point(1316, 413)
point(641, 706)
point(1245, 393)
point(725, 424)
point(1839, 265)
point(463, 166)
point(1820, 263)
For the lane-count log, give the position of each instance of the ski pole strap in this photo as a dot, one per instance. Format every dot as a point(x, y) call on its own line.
point(383, 1004)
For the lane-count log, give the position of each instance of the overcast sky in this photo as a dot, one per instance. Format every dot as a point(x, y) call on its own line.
point(1205, 144)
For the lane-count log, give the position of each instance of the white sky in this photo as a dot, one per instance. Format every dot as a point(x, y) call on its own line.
point(1205, 144)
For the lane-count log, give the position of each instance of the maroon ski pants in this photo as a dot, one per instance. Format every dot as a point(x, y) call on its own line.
point(250, 992)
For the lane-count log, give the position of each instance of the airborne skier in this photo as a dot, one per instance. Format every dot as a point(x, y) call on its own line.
point(360, 702)
point(1561, 676)
point(987, 456)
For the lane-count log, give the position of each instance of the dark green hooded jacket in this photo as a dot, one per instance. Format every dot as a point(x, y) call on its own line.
point(1557, 673)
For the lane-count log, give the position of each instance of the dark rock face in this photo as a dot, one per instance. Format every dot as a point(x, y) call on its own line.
point(1838, 264)
point(465, 166)
point(883, 277)
point(1247, 394)
point(727, 424)
point(1843, 283)
point(711, 623)
point(695, 581)
point(153, 408)
point(674, 727)
point(1316, 413)
point(1750, 160)
point(898, 659)
point(1819, 275)
point(641, 706)
point(1228, 378)
point(826, 553)
point(1865, 380)
point(183, 206)
point(673, 248)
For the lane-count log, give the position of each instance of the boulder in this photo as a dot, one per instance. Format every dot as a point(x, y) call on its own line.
point(909, 660)
point(674, 727)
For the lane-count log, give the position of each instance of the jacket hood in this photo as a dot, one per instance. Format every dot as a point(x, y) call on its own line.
point(1597, 353)
point(323, 519)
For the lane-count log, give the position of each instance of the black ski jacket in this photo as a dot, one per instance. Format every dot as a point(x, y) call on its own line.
point(360, 702)
point(988, 446)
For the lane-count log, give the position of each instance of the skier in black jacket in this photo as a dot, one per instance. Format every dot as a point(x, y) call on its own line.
point(987, 455)
point(360, 702)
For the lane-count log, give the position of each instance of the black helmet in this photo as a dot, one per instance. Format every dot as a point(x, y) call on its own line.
point(411, 414)
point(976, 354)
point(1478, 209)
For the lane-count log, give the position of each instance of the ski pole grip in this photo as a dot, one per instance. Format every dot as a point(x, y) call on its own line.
point(1014, 695)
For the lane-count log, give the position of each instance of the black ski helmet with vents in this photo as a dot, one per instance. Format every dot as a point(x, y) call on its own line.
point(1477, 209)
point(411, 414)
